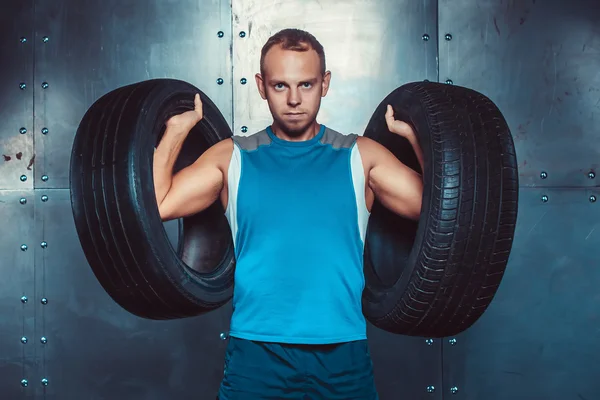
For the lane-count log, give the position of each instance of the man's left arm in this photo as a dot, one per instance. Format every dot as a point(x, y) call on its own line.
point(396, 186)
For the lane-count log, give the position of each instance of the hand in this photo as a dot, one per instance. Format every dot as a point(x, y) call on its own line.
point(398, 127)
point(187, 120)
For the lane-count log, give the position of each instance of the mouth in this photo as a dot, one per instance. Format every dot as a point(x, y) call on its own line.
point(294, 115)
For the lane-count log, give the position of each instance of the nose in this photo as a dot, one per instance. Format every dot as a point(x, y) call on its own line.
point(294, 98)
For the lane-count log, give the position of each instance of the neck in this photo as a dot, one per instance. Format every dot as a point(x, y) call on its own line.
point(307, 134)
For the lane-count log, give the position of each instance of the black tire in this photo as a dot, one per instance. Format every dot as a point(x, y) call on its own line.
point(115, 210)
point(436, 277)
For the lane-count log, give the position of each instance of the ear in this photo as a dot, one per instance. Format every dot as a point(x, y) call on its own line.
point(260, 83)
point(325, 84)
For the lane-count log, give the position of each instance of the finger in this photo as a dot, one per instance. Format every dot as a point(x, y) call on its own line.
point(197, 103)
point(389, 115)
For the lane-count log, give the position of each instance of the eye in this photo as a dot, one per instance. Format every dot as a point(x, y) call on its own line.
point(279, 86)
point(307, 85)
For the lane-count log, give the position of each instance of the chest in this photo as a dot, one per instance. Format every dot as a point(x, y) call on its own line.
point(297, 183)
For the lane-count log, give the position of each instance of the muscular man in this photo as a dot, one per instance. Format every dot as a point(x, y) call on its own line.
point(298, 197)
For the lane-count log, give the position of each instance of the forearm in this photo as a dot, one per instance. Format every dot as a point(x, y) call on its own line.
point(165, 156)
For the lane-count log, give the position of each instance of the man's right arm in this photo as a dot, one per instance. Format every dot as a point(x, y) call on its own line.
point(193, 188)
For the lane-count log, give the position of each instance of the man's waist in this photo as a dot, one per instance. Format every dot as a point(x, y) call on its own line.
point(298, 325)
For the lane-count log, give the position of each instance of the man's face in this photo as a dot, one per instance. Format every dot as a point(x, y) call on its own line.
point(293, 86)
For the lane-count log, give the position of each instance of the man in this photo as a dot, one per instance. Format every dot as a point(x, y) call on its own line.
point(298, 197)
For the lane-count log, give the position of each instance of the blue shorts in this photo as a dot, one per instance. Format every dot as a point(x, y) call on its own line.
point(259, 370)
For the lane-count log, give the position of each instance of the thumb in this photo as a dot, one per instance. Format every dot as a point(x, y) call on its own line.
point(197, 103)
point(389, 114)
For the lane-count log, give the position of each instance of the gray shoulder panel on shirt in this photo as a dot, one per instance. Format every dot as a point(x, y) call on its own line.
point(252, 142)
point(338, 140)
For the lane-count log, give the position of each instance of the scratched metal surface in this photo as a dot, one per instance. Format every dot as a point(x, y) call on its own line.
point(20, 346)
point(539, 338)
point(97, 350)
point(16, 105)
point(539, 61)
point(96, 46)
point(94, 349)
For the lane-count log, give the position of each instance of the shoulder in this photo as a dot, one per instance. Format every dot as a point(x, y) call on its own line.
point(252, 142)
point(372, 151)
point(338, 140)
point(219, 154)
point(367, 143)
point(220, 148)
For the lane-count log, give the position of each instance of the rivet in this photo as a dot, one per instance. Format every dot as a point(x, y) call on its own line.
point(44, 301)
point(23, 39)
point(448, 36)
point(23, 247)
point(545, 198)
point(220, 34)
point(430, 389)
point(44, 245)
point(592, 199)
point(23, 200)
point(23, 299)
point(24, 382)
point(44, 198)
point(543, 175)
point(44, 131)
point(591, 174)
point(44, 381)
point(425, 37)
point(429, 342)
point(453, 389)
point(23, 178)
point(23, 130)
point(220, 81)
point(45, 178)
point(22, 85)
point(449, 81)
point(45, 85)
point(242, 34)
point(243, 81)
point(244, 129)
point(45, 39)
point(452, 341)
point(23, 340)
point(43, 340)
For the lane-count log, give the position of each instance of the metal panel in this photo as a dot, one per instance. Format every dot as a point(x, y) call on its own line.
point(370, 47)
point(539, 337)
point(94, 348)
point(17, 336)
point(96, 46)
point(405, 367)
point(539, 62)
point(16, 101)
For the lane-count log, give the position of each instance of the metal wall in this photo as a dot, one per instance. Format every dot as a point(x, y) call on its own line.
point(69, 340)
point(539, 61)
point(62, 337)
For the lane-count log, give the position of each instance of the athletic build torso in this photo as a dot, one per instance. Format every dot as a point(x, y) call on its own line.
point(298, 215)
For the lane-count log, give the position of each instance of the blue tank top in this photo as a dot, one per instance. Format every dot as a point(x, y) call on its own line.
point(298, 217)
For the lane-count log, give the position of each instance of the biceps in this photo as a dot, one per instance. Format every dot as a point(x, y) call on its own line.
point(193, 189)
point(398, 188)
